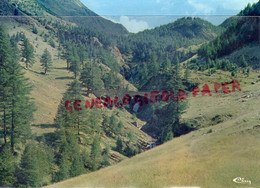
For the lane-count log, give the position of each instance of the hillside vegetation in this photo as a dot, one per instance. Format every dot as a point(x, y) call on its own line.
point(78, 93)
point(209, 157)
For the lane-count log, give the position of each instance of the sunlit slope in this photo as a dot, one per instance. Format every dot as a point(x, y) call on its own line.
point(209, 157)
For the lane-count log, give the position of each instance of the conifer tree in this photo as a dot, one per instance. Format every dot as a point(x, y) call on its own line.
point(28, 53)
point(119, 145)
point(129, 150)
point(63, 157)
point(111, 80)
point(91, 78)
point(176, 106)
point(74, 120)
point(95, 154)
point(7, 167)
point(16, 108)
point(187, 73)
point(35, 166)
point(106, 155)
point(46, 61)
point(75, 62)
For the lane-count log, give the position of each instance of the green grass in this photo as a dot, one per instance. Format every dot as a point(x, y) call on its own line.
point(200, 158)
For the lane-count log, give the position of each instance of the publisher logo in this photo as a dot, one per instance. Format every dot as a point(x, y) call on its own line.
point(241, 180)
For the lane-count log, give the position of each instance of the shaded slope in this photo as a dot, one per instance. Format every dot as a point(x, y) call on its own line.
point(75, 11)
point(242, 30)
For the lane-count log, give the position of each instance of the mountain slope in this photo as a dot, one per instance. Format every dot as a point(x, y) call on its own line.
point(148, 51)
point(75, 11)
point(70, 10)
point(241, 30)
point(209, 157)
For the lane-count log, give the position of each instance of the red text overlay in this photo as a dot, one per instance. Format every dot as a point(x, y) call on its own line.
point(151, 97)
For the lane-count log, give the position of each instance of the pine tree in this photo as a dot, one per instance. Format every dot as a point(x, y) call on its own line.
point(91, 78)
point(166, 63)
point(5, 76)
point(95, 154)
point(113, 124)
point(77, 165)
point(129, 150)
point(187, 73)
point(176, 106)
point(16, 108)
point(76, 120)
point(35, 166)
point(63, 157)
point(28, 53)
point(7, 167)
point(111, 80)
point(106, 155)
point(75, 62)
point(119, 145)
point(46, 61)
point(82, 55)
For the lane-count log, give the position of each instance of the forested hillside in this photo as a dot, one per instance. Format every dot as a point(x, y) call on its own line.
point(242, 30)
point(157, 49)
point(79, 93)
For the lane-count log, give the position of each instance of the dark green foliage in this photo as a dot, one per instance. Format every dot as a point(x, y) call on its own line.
point(7, 167)
point(154, 49)
point(120, 125)
point(16, 108)
point(130, 150)
point(113, 122)
point(211, 65)
point(46, 61)
point(74, 121)
point(248, 72)
point(174, 108)
point(240, 31)
point(106, 155)
point(187, 74)
point(86, 17)
point(91, 78)
point(111, 81)
point(63, 161)
point(95, 154)
point(52, 43)
point(73, 61)
point(70, 160)
point(167, 134)
point(28, 53)
point(119, 145)
point(35, 31)
point(243, 61)
point(111, 126)
point(77, 165)
point(34, 166)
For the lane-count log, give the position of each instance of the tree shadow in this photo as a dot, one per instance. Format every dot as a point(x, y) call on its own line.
point(64, 78)
point(45, 126)
point(48, 138)
point(60, 68)
point(39, 73)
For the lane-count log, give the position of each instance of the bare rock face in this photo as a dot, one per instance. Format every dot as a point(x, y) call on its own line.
point(118, 56)
point(96, 42)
